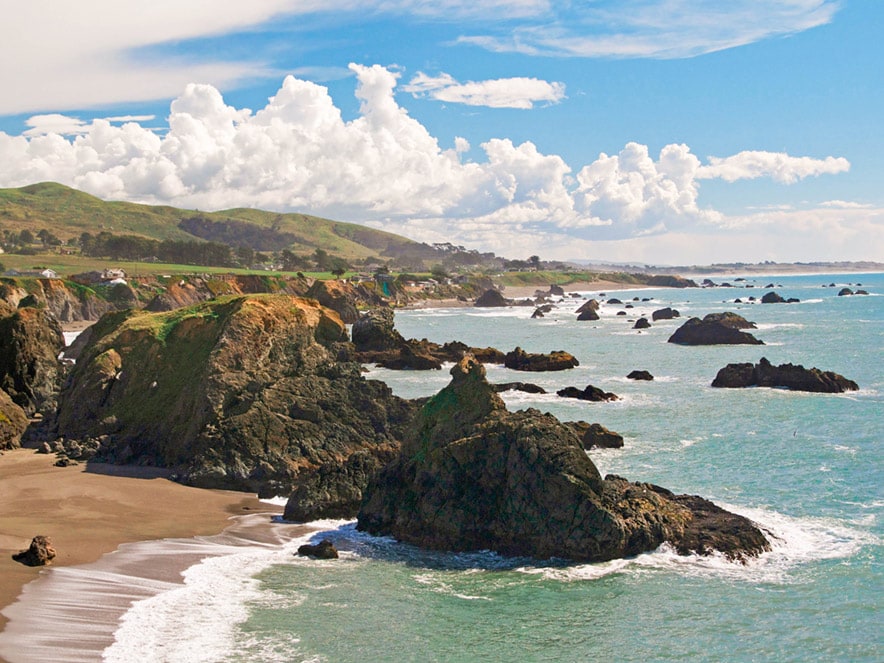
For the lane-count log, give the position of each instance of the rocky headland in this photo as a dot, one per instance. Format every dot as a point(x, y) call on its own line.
point(473, 476)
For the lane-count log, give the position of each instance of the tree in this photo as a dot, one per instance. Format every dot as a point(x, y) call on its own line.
point(534, 261)
point(438, 272)
point(26, 237)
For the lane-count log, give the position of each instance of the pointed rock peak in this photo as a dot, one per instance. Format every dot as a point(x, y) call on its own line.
point(468, 368)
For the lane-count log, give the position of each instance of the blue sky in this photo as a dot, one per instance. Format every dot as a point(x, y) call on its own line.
point(655, 131)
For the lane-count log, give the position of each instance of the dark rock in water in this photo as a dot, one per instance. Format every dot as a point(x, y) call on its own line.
point(473, 476)
point(409, 358)
point(556, 291)
point(13, 422)
point(861, 292)
point(30, 372)
point(664, 314)
point(715, 329)
point(642, 323)
point(621, 312)
point(738, 301)
point(335, 489)
point(492, 298)
point(588, 305)
point(774, 298)
point(670, 281)
point(537, 314)
point(242, 392)
point(629, 306)
point(844, 292)
point(588, 314)
point(789, 376)
point(590, 393)
point(557, 360)
point(374, 331)
point(595, 436)
point(614, 300)
point(325, 549)
point(640, 375)
point(39, 553)
point(527, 387)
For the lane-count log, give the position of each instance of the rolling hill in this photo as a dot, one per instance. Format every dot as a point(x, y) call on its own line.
point(68, 213)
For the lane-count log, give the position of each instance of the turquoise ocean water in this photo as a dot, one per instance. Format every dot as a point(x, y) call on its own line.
point(806, 467)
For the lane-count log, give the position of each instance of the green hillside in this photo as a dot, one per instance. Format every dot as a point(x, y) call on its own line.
point(68, 213)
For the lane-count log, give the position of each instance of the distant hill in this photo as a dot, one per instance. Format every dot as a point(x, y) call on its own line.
point(68, 213)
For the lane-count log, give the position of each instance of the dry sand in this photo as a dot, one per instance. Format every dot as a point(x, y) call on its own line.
point(90, 509)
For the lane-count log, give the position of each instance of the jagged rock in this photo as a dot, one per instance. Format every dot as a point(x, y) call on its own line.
point(492, 298)
point(556, 291)
point(472, 476)
point(30, 342)
point(537, 314)
point(588, 314)
point(667, 313)
point(589, 393)
point(588, 305)
point(241, 392)
point(344, 298)
point(39, 553)
point(527, 387)
point(13, 422)
point(642, 323)
point(774, 298)
point(595, 436)
point(557, 360)
point(789, 376)
point(325, 549)
point(335, 489)
point(640, 375)
point(715, 329)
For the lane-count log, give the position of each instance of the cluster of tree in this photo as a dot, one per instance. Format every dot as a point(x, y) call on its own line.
point(132, 247)
point(17, 241)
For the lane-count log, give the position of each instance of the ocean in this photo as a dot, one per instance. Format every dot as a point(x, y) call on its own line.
point(806, 467)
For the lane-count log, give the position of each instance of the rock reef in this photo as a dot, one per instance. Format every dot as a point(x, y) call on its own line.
point(787, 376)
point(715, 329)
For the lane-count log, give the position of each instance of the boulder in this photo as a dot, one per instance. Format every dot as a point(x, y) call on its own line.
point(640, 375)
point(642, 323)
point(527, 387)
point(557, 360)
point(589, 393)
point(39, 553)
point(537, 314)
point(596, 436)
point(556, 291)
point(774, 298)
point(241, 392)
point(588, 314)
point(845, 292)
point(715, 329)
point(491, 298)
point(374, 331)
point(325, 549)
point(588, 305)
point(614, 300)
point(473, 476)
point(30, 343)
point(788, 376)
point(13, 422)
point(664, 314)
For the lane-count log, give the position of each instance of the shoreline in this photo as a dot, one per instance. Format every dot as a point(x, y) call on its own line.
point(91, 509)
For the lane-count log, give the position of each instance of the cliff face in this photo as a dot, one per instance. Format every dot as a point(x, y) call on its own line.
point(240, 392)
point(472, 475)
point(30, 342)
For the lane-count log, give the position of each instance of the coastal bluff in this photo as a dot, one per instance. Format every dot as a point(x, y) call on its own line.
point(242, 392)
point(473, 476)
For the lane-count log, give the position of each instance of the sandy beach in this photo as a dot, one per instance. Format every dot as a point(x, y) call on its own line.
point(88, 510)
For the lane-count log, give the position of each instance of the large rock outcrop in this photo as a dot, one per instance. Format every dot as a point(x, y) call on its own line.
point(473, 476)
point(30, 342)
point(715, 329)
point(13, 422)
point(787, 376)
point(557, 360)
point(242, 392)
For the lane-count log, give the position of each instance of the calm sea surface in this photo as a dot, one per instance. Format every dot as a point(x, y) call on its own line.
point(807, 467)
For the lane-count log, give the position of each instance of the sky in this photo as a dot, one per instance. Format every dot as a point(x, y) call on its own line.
point(663, 132)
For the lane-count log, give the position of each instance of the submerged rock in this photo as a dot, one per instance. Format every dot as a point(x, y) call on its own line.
point(715, 329)
point(473, 476)
point(325, 549)
point(640, 375)
point(788, 376)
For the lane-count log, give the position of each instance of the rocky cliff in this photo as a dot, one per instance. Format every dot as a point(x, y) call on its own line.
point(240, 392)
point(472, 475)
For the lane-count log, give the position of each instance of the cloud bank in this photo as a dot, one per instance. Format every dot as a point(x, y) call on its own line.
point(386, 169)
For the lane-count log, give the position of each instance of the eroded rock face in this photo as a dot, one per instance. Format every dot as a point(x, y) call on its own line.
point(241, 392)
point(715, 329)
point(473, 476)
point(788, 376)
point(596, 436)
point(30, 342)
point(13, 422)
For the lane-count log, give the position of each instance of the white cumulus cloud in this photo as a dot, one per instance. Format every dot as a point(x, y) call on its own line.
point(516, 92)
point(297, 153)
